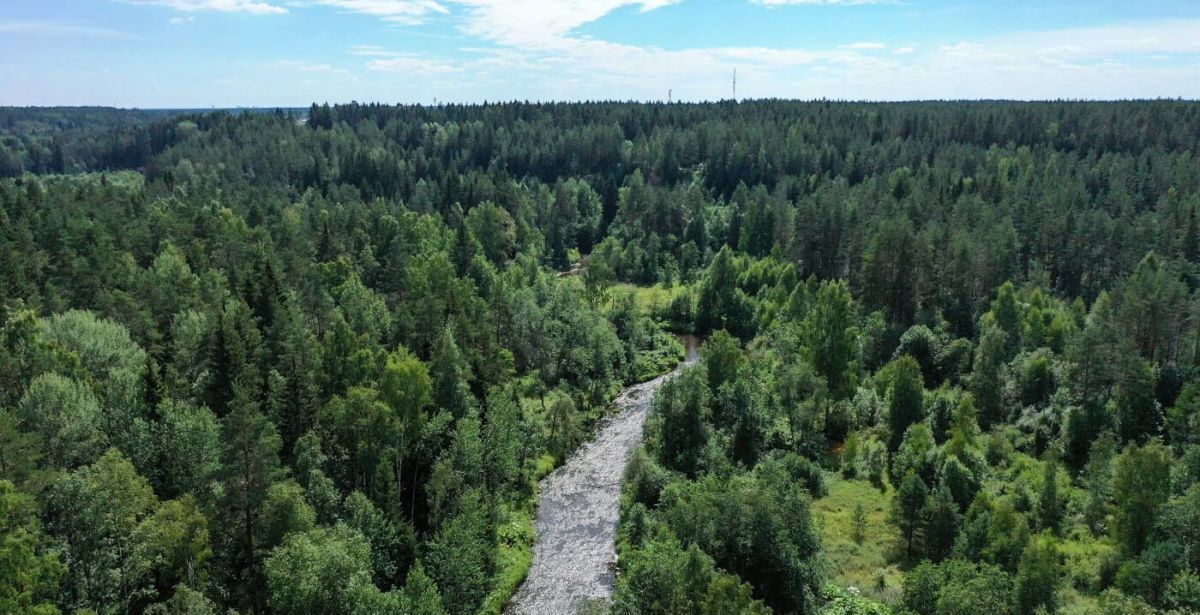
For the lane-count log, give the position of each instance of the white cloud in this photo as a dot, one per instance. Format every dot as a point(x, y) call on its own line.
point(1151, 58)
point(302, 66)
point(227, 6)
point(774, 3)
point(179, 21)
point(408, 63)
point(370, 50)
point(59, 28)
point(864, 45)
point(540, 23)
point(1173, 36)
point(1138, 59)
point(408, 12)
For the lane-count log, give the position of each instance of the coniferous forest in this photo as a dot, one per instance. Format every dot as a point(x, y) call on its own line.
point(317, 360)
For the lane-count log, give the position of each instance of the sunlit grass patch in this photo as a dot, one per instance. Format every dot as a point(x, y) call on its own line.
point(649, 300)
point(513, 559)
point(853, 563)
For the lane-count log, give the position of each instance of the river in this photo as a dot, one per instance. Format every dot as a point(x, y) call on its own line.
point(575, 555)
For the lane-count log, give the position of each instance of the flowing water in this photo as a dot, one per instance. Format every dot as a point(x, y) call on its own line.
point(575, 557)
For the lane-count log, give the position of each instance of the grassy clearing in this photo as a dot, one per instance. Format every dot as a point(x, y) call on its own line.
point(860, 564)
point(850, 563)
point(649, 300)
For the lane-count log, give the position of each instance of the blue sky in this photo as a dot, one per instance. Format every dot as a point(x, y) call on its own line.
point(202, 53)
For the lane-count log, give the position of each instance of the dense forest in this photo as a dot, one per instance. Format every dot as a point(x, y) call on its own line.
point(316, 361)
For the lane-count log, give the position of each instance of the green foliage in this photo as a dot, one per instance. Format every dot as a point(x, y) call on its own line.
point(1179, 522)
point(67, 416)
point(184, 601)
point(988, 377)
point(756, 526)
point(907, 511)
point(721, 304)
point(722, 358)
point(665, 579)
point(859, 523)
point(1050, 508)
point(460, 556)
point(958, 588)
point(249, 466)
point(175, 543)
point(1038, 576)
point(30, 570)
point(917, 455)
point(492, 226)
point(892, 269)
point(831, 338)
point(285, 511)
point(1141, 484)
point(850, 603)
point(940, 523)
point(97, 511)
point(680, 412)
point(905, 399)
point(923, 345)
point(323, 570)
point(563, 425)
point(1113, 602)
point(405, 308)
point(189, 439)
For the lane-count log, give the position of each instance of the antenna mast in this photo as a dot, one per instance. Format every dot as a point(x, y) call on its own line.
point(735, 85)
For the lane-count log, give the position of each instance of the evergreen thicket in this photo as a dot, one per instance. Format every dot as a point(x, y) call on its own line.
point(315, 360)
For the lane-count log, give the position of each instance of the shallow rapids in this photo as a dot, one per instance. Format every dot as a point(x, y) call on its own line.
point(574, 559)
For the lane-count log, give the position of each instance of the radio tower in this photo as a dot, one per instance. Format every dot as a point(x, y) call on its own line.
point(735, 85)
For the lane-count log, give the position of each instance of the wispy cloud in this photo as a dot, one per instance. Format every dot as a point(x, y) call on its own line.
point(302, 66)
point(1144, 58)
point(405, 12)
point(540, 24)
point(180, 21)
point(819, 2)
point(399, 62)
point(371, 50)
point(255, 7)
point(864, 45)
point(59, 28)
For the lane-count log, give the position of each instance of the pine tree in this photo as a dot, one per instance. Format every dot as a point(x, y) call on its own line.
point(858, 523)
point(295, 394)
point(1139, 416)
point(1039, 576)
point(906, 403)
point(907, 508)
point(832, 338)
point(221, 369)
point(941, 522)
point(152, 387)
point(449, 370)
point(1049, 507)
point(250, 465)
